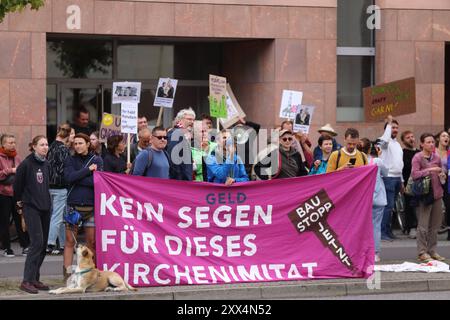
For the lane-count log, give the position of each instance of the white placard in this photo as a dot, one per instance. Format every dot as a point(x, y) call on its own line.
point(303, 119)
point(234, 111)
point(129, 117)
point(165, 93)
point(290, 103)
point(126, 92)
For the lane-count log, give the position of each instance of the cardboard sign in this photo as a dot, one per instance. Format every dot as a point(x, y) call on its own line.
point(393, 98)
point(165, 93)
point(234, 111)
point(217, 96)
point(111, 126)
point(290, 103)
point(126, 92)
point(129, 118)
point(303, 118)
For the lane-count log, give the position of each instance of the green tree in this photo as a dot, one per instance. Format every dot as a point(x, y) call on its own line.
point(14, 5)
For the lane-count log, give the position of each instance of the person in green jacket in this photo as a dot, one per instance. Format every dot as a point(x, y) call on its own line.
point(200, 151)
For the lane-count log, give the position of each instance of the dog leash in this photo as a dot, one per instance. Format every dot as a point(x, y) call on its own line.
point(74, 238)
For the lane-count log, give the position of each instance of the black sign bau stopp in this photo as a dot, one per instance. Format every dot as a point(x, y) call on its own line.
point(312, 215)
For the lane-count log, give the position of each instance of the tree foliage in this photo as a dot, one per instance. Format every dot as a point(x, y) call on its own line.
point(7, 6)
point(76, 59)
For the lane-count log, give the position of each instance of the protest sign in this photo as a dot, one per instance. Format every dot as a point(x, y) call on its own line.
point(290, 103)
point(129, 117)
point(217, 96)
point(303, 119)
point(234, 111)
point(126, 92)
point(196, 233)
point(393, 98)
point(111, 126)
point(165, 93)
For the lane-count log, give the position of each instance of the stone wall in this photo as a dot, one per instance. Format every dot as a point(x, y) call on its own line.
point(300, 52)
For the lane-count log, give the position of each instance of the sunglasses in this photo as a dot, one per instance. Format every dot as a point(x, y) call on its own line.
point(161, 137)
point(287, 139)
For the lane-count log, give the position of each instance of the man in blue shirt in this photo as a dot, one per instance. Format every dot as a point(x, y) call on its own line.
point(154, 161)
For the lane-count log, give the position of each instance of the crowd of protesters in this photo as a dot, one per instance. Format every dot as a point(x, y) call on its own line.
point(56, 181)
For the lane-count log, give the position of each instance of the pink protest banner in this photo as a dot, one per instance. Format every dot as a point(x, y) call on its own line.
point(162, 232)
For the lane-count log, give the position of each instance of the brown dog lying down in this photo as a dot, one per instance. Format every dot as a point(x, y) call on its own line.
point(89, 278)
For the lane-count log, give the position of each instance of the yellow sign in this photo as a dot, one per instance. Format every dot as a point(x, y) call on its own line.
point(108, 120)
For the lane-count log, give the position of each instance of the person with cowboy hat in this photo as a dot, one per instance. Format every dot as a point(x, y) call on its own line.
point(326, 130)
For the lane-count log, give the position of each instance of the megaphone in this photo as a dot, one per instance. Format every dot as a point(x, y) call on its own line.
point(241, 134)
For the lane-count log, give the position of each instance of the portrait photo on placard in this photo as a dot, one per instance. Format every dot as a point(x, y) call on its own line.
point(303, 118)
point(165, 92)
point(126, 92)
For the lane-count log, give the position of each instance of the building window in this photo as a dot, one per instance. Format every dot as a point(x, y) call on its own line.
point(355, 58)
point(144, 61)
point(81, 73)
point(79, 59)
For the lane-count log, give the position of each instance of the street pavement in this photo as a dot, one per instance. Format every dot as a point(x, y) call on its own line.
point(385, 284)
point(434, 295)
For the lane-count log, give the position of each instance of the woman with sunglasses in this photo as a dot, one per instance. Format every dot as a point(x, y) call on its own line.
point(288, 163)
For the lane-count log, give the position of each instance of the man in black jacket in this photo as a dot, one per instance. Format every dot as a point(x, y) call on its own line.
point(179, 146)
point(409, 151)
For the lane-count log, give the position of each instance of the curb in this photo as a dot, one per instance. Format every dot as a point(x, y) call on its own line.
point(254, 291)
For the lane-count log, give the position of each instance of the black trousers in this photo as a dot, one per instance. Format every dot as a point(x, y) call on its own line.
point(38, 225)
point(8, 208)
point(410, 214)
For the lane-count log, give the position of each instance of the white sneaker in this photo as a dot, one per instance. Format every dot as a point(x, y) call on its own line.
point(377, 258)
point(9, 253)
point(412, 234)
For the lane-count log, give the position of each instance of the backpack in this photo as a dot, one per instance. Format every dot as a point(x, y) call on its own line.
point(149, 162)
point(339, 158)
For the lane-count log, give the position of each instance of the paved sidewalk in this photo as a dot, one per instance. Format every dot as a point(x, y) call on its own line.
point(389, 282)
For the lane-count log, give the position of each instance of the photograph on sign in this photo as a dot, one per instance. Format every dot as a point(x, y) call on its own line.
point(129, 117)
point(165, 93)
point(234, 111)
point(126, 92)
point(303, 119)
point(290, 102)
point(393, 98)
point(217, 96)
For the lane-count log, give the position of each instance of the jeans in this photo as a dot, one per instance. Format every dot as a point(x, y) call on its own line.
point(377, 216)
point(393, 186)
point(57, 229)
point(38, 223)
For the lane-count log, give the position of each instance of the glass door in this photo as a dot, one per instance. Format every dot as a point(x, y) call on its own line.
point(87, 96)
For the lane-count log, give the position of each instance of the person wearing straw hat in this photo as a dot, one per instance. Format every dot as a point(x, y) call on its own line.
point(326, 130)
